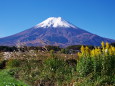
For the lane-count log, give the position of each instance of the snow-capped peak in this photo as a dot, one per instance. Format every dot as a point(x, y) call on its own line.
point(54, 22)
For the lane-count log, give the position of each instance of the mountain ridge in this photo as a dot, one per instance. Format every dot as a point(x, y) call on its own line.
point(54, 31)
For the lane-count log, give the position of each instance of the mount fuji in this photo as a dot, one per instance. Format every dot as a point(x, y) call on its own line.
point(54, 31)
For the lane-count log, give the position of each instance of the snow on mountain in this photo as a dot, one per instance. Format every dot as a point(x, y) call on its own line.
point(55, 22)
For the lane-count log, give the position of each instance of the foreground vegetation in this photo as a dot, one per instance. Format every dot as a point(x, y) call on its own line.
point(90, 67)
point(7, 80)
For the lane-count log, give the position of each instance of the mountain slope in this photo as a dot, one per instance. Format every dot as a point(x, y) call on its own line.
point(54, 31)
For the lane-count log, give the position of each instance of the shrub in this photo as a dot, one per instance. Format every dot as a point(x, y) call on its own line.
point(57, 71)
point(84, 66)
point(65, 51)
point(13, 63)
point(2, 64)
point(52, 54)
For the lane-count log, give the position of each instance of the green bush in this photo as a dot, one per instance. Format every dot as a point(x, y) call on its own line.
point(30, 70)
point(84, 66)
point(65, 51)
point(13, 63)
point(2, 64)
point(52, 53)
point(57, 71)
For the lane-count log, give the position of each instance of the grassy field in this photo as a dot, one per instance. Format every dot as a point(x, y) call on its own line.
point(8, 80)
point(90, 67)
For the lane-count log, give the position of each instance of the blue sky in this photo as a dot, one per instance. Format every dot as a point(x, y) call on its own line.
point(95, 16)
